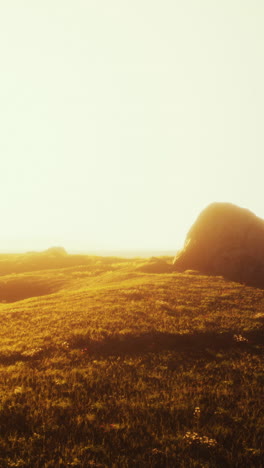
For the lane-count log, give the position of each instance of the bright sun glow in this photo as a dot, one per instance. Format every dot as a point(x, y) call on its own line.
point(120, 121)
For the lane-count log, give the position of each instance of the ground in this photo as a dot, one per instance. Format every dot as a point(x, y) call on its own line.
point(105, 363)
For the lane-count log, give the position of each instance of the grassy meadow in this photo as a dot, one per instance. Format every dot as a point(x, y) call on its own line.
point(110, 362)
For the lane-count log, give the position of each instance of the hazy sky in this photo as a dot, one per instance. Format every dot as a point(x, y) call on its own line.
point(121, 120)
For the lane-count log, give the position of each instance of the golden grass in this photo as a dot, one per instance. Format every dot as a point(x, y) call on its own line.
point(105, 364)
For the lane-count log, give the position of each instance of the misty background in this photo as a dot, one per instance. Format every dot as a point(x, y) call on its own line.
point(120, 121)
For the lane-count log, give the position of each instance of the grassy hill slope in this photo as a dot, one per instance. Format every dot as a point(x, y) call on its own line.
point(104, 363)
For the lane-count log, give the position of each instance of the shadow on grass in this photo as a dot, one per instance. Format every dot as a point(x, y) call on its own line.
point(31, 355)
point(195, 345)
point(17, 289)
point(192, 343)
point(254, 280)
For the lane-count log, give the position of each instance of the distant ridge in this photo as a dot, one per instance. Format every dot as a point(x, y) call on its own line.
point(55, 251)
point(128, 253)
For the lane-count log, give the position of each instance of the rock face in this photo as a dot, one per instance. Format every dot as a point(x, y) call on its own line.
point(225, 240)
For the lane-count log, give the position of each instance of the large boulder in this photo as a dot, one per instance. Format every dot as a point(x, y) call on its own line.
point(225, 240)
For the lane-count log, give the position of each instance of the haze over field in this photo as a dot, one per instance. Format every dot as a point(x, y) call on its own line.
point(120, 121)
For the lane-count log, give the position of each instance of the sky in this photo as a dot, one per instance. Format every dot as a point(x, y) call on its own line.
point(121, 120)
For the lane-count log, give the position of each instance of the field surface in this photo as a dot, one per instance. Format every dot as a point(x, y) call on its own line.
point(109, 362)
